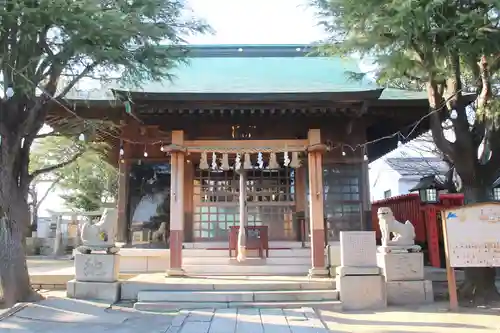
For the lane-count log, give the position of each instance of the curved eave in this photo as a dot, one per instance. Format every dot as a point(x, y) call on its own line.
point(346, 96)
point(413, 102)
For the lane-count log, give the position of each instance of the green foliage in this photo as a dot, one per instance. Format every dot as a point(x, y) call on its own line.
point(49, 46)
point(88, 181)
point(54, 150)
point(92, 37)
point(412, 39)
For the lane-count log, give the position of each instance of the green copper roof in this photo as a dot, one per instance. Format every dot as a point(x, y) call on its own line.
point(260, 75)
point(259, 69)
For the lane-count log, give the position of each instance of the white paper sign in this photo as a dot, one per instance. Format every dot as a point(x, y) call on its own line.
point(474, 235)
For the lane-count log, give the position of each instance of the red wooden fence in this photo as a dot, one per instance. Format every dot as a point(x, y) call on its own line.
point(425, 218)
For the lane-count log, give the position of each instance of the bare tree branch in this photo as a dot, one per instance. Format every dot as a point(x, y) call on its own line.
point(436, 102)
point(78, 77)
point(51, 187)
point(46, 135)
point(57, 166)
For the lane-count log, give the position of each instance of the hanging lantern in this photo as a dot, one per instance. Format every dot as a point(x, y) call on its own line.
point(295, 162)
point(247, 164)
point(203, 161)
point(225, 162)
point(273, 163)
point(286, 159)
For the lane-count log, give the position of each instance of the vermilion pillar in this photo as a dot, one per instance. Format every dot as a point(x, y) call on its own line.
point(316, 214)
point(177, 198)
point(431, 224)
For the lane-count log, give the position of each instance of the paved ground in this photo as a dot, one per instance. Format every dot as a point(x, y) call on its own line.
point(433, 318)
point(59, 315)
point(47, 265)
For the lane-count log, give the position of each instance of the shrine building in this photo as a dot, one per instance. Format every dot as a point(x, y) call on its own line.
point(266, 136)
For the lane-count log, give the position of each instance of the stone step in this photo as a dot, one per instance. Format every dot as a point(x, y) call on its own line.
point(278, 253)
point(250, 261)
point(131, 289)
point(176, 306)
point(238, 296)
point(224, 244)
point(246, 269)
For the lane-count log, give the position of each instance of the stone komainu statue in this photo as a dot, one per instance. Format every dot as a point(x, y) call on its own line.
point(100, 236)
point(404, 233)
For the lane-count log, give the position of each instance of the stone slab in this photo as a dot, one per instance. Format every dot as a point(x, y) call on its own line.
point(358, 248)
point(362, 292)
point(97, 267)
point(353, 270)
point(175, 272)
point(175, 306)
point(238, 296)
point(333, 254)
point(399, 249)
point(103, 291)
point(401, 266)
point(318, 272)
point(409, 292)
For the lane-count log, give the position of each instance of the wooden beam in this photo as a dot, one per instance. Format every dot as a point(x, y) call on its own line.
point(243, 146)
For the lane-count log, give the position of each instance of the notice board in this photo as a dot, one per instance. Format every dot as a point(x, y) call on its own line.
point(472, 235)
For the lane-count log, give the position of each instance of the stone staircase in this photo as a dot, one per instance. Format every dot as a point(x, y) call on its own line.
point(269, 292)
point(292, 261)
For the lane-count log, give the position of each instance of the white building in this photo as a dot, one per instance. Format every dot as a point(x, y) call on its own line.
point(393, 176)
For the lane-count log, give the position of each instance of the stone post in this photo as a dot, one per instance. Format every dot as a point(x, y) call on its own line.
point(58, 240)
point(358, 278)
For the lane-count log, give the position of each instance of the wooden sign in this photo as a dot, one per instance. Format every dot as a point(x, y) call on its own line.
point(471, 239)
point(473, 235)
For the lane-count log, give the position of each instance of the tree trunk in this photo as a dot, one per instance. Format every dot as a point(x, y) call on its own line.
point(14, 278)
point(34, 208)
point(14, 218)
point(479, 285)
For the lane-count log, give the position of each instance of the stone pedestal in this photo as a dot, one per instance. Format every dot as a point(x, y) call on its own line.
point(362, 292)
point(404, 277)
point(409, 292)
point(96, 277)
point(318, 272)
point(175, 272)
point(97, 267)
point(359, 281)
point(102, 291)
